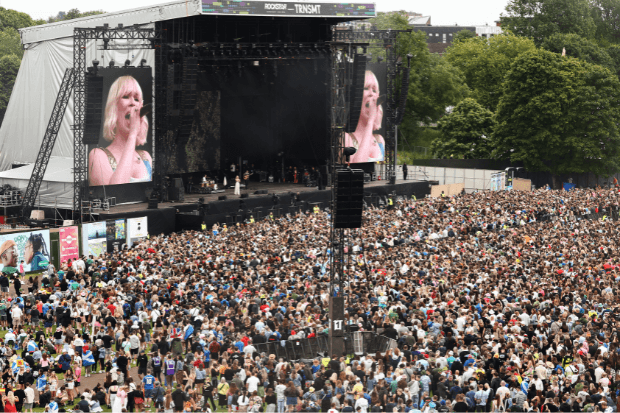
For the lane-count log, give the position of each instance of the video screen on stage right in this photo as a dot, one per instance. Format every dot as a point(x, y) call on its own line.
point(368, 135)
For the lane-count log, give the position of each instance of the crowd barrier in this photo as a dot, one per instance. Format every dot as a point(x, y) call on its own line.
point(358, 342)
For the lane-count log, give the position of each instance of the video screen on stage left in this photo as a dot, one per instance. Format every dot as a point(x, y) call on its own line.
point(123, 154)
point(368, 137)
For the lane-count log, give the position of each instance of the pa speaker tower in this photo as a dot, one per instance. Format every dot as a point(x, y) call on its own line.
point(93, 113)
point(356, 92)
point(349, 202)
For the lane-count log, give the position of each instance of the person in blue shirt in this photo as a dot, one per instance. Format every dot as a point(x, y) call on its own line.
point(149, 386)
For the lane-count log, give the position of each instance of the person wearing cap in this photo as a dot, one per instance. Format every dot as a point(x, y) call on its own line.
point(8, 256)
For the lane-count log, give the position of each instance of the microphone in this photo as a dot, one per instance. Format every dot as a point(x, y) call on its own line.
point(146, 109)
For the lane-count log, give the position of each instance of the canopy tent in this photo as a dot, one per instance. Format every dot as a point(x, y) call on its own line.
point(57, 186)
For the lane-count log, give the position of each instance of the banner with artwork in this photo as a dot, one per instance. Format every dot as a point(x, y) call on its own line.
point(69, 244)
point(137, 229)
point(116, 234)
point(28, 248)
point(94, 239)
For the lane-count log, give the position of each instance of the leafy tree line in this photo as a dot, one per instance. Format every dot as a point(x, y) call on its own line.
point(11, 51)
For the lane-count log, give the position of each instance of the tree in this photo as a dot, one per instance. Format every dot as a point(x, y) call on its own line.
point(10, 43)
point(580, 48)
point(606, 15)
point(463, 35)
point(9, 66)
point(485, 62)
point(16, 20)
point(560, 115)
point(540, 19)
point(73, 14)
point(466, 132)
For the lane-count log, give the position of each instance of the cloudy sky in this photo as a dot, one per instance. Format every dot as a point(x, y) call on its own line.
point(443, 12)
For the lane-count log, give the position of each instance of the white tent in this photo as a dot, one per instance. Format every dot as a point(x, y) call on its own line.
point(48, 53)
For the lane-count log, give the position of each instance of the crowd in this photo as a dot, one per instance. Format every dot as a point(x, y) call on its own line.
point(495, 301)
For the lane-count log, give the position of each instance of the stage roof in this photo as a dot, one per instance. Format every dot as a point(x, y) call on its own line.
point(182, 8)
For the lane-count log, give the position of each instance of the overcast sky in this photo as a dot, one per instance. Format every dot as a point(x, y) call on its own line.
point(443, 12)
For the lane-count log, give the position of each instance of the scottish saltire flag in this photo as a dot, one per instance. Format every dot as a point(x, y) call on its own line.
point(53, 407)
point(188, 332)
point(16, 365)
point(88, 359)
point(525, 385)
point(41, 383)
point(32, 346)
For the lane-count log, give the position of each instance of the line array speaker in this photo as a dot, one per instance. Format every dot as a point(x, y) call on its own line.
point(356, 92)
point(349, 202)
point(94, 109)
point(188, 91)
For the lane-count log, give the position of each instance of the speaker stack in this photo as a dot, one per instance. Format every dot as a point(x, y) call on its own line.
point(349, 202)
point(177, 191)
point(356, 92)
point(94, 109)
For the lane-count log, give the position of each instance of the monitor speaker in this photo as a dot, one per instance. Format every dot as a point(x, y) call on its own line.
point(152, 203)
point(356, 92)
point(94, 109)
point(222, 198)
point(349, 202)
point(244, 195)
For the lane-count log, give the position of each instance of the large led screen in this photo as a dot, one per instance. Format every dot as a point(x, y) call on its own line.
point(368, 137)
point(31, 248)
point(123, 154)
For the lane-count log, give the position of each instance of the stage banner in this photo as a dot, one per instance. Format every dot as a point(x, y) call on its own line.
point(370, 142)
point(115, 234)
point(278, 8)
point(28, 248)
point(69, 244)
point(123, 153)
point(94, 240)
point(137, 229)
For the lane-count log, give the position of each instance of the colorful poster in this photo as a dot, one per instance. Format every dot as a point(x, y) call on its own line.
point(69, 244)
point(28, 248)
point(115, 234)
point(137, 229)
point(94, 239)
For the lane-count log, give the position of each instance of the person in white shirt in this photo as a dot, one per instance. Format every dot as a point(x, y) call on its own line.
point(249, 349)
point(29, 400)
point(363, 404)
point(252, 383)
point(16, 313)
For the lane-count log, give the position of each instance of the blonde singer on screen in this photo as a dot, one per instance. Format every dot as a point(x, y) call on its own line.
point(370, 146)
point(120, 162)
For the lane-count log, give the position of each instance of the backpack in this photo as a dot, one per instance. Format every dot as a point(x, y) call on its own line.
point(157, 361)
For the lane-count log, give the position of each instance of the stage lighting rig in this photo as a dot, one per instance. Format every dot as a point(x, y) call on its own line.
point(111, 64)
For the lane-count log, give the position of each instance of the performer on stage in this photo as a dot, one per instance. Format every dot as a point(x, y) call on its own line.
point(237, 185)
point(120, 162)
point(246, 179)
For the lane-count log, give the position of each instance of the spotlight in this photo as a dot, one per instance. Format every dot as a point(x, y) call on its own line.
point(143, 63)
point(380, 59)
point(111, 64)
point(409, 57)
point(127, 63)
point(95, 63)
point(348, 151)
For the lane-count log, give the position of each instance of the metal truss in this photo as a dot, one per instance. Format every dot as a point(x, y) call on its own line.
point(49, 139)
point(80, 38)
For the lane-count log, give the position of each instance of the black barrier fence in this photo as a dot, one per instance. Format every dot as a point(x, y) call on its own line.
point(359, 342)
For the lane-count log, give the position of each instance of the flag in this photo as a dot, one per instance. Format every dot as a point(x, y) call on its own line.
point(32, 346)
point(41, 383)
point(88, 359)
point(525, 385)
point(53, 407)
point(16, 365)
point(188, 332)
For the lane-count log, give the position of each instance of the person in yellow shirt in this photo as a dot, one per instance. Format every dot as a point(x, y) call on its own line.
point(222, 391)
point(358, 388)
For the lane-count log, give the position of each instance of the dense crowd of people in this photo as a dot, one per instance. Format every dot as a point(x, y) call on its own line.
point(495, 301)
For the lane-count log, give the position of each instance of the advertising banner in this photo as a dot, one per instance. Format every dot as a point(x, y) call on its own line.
point(137, 228)
point(116, 234)
point(94, 240)
point(69, 244)
point(278, 8)
point(31, 248)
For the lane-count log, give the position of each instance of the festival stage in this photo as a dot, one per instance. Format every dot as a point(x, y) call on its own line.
point(185, 215)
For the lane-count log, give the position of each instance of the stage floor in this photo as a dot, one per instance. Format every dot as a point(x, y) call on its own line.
point(273, 188)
